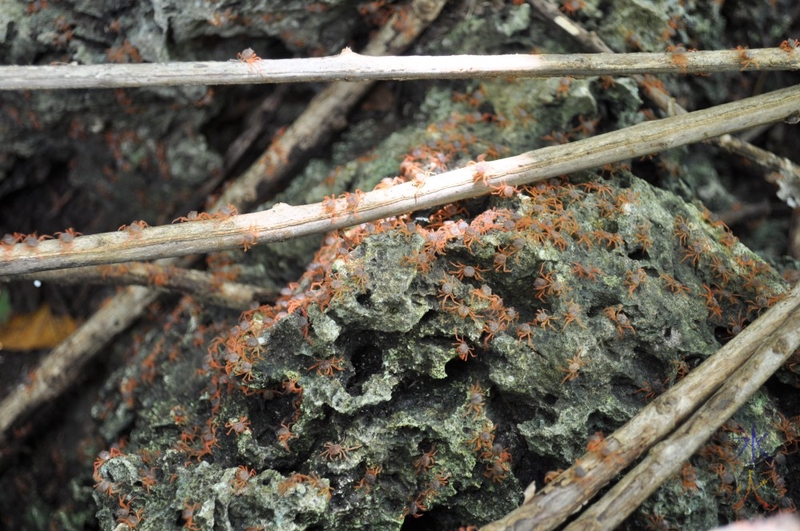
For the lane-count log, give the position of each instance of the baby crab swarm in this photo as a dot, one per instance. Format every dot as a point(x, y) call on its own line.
point(484, 439)
point(573, 314)
point(240, 479)
point(571, 7)
point(650, 391)
point(135, 229)
point(415, 507)
point(238, 426)
point(463, 350)
point(434, 486)
point(746, 58)
point(525, 331)
point(468, 271)
point(634, 279)
point(447, 291)
point(546, 284)
point(496, 470)
point(790, 45)
point(284, 434)
point(67, 238)
point(543, 320)
point(463, 311)
point(127, 516)
point(31, 241)
point(620, 319)
point(327, 366)
point(479, 171)
point(188, 515)
point(605, 449)
point(585, 272)
point(673, 285)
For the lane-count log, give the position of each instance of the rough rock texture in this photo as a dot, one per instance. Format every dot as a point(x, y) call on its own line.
point(638, 286)
point(384, 419)
point(382, 382)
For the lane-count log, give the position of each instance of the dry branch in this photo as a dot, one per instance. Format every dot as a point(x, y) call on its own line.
point(327, 111)
point(284, 222)
point(202, 286)
point(561, 498)
point(351, 66)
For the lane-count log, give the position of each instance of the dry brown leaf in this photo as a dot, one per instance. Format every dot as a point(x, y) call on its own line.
point(40, 329)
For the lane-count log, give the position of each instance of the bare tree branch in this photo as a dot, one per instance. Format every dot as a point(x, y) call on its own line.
point(351, 66)
point(665, 459)
point(205, 287)
point(284, 222)
point(66, 363)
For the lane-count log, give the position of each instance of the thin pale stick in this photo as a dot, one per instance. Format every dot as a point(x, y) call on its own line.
point(202, 286)
point(351, 66)
point(254, 125)
point(327, 111)
point(65, 363)
point(284, 222)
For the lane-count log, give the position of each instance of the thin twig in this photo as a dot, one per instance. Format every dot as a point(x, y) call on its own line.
point(780, 171)
point(350, 66)
point(204, 287)
point(284, 222)
point(569, 492)
point(255, 123)
point(786, 174)
point(743, 212)
point(89, 339)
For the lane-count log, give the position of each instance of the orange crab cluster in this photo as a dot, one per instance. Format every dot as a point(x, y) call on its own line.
point(496, 458)
point(464, 293)
point(458, 259)
point(312, 480)
point(736, 478)
point(436, 481)
point(734, 280)
point(31, 241)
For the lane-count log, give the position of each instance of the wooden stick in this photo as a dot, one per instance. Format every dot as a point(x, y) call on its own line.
point(350, 66)
point(65, 364)
point(284, 222)
point(202, 286)
point(327, 111)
